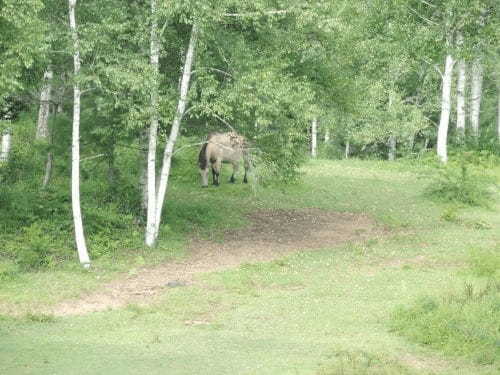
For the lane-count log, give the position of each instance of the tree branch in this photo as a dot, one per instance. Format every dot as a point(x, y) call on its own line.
point(223, 121)
point(92, 157)
point(251, 14)
point(430, 22)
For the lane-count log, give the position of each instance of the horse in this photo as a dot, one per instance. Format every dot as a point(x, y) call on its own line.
point(221, 148)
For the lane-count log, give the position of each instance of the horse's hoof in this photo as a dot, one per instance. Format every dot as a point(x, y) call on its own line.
point(245, 181)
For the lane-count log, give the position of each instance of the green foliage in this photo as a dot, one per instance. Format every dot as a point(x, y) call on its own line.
point(33, 247)
point(464, 180)
point(463, 323)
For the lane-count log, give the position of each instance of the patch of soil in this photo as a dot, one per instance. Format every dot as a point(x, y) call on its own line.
point(271, 235)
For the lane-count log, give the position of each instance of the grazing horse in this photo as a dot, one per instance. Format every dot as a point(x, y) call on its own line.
point(223, 148)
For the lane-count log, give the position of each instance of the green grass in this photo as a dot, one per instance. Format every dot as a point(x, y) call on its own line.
point(324, 312)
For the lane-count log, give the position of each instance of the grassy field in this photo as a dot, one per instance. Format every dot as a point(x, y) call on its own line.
point(343, 310)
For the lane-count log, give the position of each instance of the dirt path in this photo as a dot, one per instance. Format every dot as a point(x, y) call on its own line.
point(271, 235)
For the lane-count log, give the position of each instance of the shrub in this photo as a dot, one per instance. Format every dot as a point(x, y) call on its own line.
point(33, 248)
point(463, 181)
point(463, 323)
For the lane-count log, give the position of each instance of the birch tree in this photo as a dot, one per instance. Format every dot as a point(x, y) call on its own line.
point(475, 95)
point(151, 224)
point(169, 148)
point(461, 83)
point(498, 108)
point(6, 142)
point(42, 125)
point(75, 147)
point(442, 138)
point(314, 137)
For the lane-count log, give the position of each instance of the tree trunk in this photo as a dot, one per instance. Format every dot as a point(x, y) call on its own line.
point(75, 154)
point(391, 155)
point(6, 142)
point(411, 143)
point(48, 169)
point(153, 130)
point(347, 149)
point(476, 91)
point(143, 175)
point(42, 125)
point(462, 78)
point(181, 106)
point(444, 121)
point(327, 135)
point(112, 171)
point(498, 111)
point(392, 148)
point(314, 137)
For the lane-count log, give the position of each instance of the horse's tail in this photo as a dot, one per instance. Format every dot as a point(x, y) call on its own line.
point(202, 158)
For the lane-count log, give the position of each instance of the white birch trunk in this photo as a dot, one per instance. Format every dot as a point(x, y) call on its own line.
point(461, 82)
point(314, 137)
point(442, 138)
point(327, 135)
point(153, 131)
point(143, 175)
point(498, 112)
point(476, 91)
point(75, 154)
point(42, 125)
point(6, 142)
point(48, 170)
point(347, 149)
point(181, 106)
point(392, 148)
point(391, 155)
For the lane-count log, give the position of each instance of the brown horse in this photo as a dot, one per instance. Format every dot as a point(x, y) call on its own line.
point(223, 148)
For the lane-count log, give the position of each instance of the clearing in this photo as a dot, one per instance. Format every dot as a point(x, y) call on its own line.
point(271, 235)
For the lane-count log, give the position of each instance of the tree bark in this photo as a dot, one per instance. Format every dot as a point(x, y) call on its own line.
point(75, 158)
point(347, 149)
point(153, 130)
point(48, 169)
point(42, 126)
point(461, 82)
point(444, 121)
point(143, 174)
point(327, 135)
point(476, 92)
point(314, 137)
point(498, 112)
point(181, 106)
point(6, 142)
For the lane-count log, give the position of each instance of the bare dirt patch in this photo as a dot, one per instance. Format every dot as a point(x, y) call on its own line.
point(271, 235)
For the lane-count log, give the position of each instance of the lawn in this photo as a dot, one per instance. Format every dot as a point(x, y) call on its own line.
point(329, 311)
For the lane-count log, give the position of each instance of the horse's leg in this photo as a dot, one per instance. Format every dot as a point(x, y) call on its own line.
point(236, 166)
point(216, 168)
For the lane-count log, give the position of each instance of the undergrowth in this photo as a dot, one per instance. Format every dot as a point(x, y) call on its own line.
point(465, 179)
point(460, 323)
